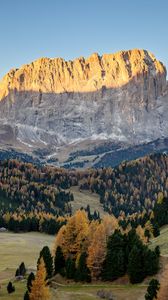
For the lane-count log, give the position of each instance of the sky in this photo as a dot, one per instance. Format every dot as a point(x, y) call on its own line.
point(30, 29)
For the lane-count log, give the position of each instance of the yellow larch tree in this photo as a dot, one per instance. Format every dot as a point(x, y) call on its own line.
point(141, 233)
point(97, 251)
point(40, 289)
point(72, 237)
point(110, 224)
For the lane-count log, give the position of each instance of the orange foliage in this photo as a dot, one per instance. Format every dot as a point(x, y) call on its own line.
point(72, 238)
point(97, 251)
point(40, 289)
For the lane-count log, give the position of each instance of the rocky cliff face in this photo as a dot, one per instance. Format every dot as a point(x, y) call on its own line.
point(53, 103)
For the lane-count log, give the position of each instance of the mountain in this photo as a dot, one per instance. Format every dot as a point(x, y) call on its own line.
point(55, 109)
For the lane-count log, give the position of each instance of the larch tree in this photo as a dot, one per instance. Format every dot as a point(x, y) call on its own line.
point(97, 251)
point(110, 224)
point(72, 238)
point(40, 289)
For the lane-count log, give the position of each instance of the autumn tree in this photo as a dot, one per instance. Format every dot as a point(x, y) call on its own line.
point(97, 251)
point(40, 289)
point(72, 238)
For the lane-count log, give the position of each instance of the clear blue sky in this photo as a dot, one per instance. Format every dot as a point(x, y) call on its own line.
point(30, 29)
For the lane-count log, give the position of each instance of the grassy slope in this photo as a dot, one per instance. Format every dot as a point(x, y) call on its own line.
point(15, 248)
point(120, 292)
point(162, 241)
point(83, 198)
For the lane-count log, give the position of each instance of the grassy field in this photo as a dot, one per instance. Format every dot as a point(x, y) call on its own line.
point(17, 295)
point(83, 292)
point(83, 198)
point(15, 248)
point(18, 247)
point(161, 241)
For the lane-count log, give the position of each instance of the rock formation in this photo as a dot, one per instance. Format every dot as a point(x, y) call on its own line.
point(53, 103)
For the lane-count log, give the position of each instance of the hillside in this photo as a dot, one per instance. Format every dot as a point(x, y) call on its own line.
point(35, 195)
point(84, 198)
point(132, 187)
point(161, 241)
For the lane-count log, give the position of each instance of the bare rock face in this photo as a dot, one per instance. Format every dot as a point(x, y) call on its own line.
point(53, 103)
point(87, 75)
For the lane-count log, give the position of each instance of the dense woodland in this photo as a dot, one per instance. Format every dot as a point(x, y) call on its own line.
point(91, 250)
point(86, 251)
point(132, 186)
point(88, 247)
point(33, 197)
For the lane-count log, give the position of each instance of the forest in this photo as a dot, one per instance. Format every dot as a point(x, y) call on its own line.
point(88, 247)
point(34, 197)
point(88, 251)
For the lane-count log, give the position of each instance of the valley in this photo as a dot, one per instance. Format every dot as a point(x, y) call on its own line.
point(84, 150)
point(25, 247)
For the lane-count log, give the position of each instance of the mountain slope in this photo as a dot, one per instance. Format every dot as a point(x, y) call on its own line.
point(52, 107)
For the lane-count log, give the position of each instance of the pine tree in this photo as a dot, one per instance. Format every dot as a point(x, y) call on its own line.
point(10, 288)
point(48, 260)
point(152, 290)
point(151, 261)
point(83, 272)
point(115, 263)
point(40, 289)
point(22, 269)
point(135, 265)
point(26, 296)
point(17, 272)
point(156, 230)
point(70, 268)
point(30, 279)
point(59, 261)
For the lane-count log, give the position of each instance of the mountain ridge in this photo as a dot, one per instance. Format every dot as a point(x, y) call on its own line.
point(58, 104)
point(111, 70)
